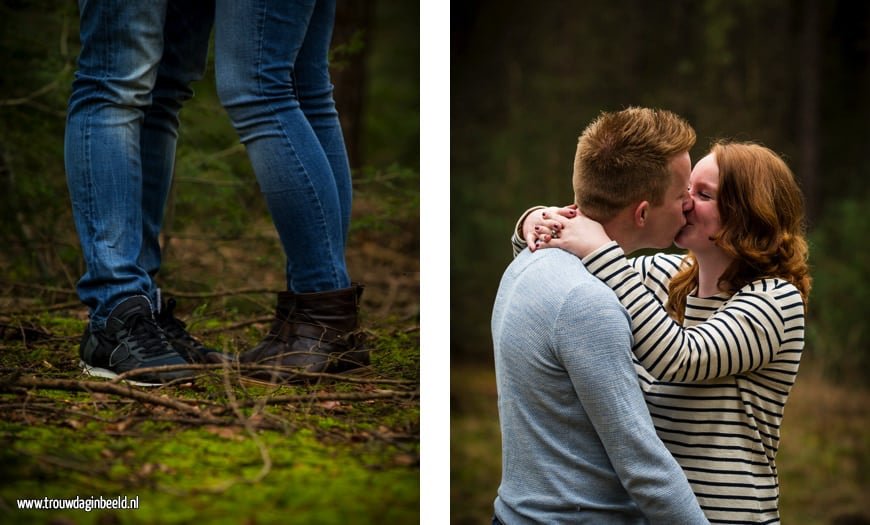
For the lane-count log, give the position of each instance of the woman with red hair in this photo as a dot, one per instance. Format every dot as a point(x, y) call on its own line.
point(718, 331)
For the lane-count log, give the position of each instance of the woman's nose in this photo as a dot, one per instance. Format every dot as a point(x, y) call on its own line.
point(688, 204)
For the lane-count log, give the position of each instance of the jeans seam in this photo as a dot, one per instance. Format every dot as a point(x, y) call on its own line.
point(279, 124)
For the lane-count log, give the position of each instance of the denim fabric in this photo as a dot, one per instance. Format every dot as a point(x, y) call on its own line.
point(273, 79)
point(134, 73)
point(134, 70)
point(578, 443)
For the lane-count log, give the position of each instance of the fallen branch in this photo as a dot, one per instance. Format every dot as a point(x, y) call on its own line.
point(51, 408)
point(320, 397)
point(24, 333)
point(73, 385)
point(40, 287)
point(52, 308)
point(249, 428)
point(237, 367)
point(223, 293)
point(236, 326)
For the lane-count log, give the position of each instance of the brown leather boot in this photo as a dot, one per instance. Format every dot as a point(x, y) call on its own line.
point(314, 332)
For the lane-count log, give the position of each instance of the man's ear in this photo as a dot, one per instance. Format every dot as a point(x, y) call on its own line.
point(640, 214)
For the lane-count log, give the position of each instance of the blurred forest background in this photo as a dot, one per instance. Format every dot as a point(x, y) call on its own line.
point(215, 200)
point(526, 78)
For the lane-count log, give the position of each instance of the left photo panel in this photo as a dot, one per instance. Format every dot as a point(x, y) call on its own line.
point(210, 280)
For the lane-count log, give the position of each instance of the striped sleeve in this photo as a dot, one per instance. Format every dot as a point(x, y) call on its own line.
point(656, 271)
point(745, 335)
point(518, 243)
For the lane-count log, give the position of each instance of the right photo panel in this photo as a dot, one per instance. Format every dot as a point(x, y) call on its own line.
point(658, 279)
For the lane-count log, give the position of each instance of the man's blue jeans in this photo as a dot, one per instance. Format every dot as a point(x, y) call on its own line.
point(136, 65)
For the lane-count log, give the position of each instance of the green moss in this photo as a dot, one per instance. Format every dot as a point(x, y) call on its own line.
point(175, 474)
point(331, 463)
point(397, 354)
point(60, 326)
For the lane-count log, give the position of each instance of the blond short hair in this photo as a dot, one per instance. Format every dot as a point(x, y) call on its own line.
point(623, 156)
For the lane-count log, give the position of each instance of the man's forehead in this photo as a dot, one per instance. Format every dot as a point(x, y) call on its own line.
point(681, 167)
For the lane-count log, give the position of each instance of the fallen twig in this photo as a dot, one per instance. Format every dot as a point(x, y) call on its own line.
point(41, 287)
point(102, 387)
point(319, 397)
point(237, 367)
point(49, 308)
point(236, 326)
point(24, 333)
point(220, 293)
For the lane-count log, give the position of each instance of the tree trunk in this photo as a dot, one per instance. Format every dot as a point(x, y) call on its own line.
point(808, 107)
point(350, 45)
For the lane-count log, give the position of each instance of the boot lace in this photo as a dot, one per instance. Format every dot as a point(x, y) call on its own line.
point(174, 327)
point(145, 335)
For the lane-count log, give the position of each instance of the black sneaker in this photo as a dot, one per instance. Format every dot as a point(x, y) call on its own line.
point(185, 344)
point(132, 339)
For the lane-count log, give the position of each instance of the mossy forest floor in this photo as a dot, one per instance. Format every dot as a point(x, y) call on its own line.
point(215, 449)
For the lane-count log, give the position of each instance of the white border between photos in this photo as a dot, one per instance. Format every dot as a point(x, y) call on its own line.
point(434, 262)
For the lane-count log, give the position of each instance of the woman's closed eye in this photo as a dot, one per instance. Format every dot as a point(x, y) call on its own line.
point(701, 194)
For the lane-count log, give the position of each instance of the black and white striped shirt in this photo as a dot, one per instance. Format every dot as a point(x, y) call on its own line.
point(716, 386)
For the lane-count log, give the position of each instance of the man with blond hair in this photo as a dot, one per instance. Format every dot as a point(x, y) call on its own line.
point(578, 443)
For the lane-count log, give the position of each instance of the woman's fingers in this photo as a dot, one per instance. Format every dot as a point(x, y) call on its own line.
point(569, 212)
point(544, 225)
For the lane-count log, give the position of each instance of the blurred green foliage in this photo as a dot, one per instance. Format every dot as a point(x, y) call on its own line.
point(838, 333)
point(33, 91)
point(527, 78)
point(400, 197)
point(391, 110)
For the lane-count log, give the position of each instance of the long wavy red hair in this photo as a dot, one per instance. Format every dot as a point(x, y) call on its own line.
point(761, 210)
